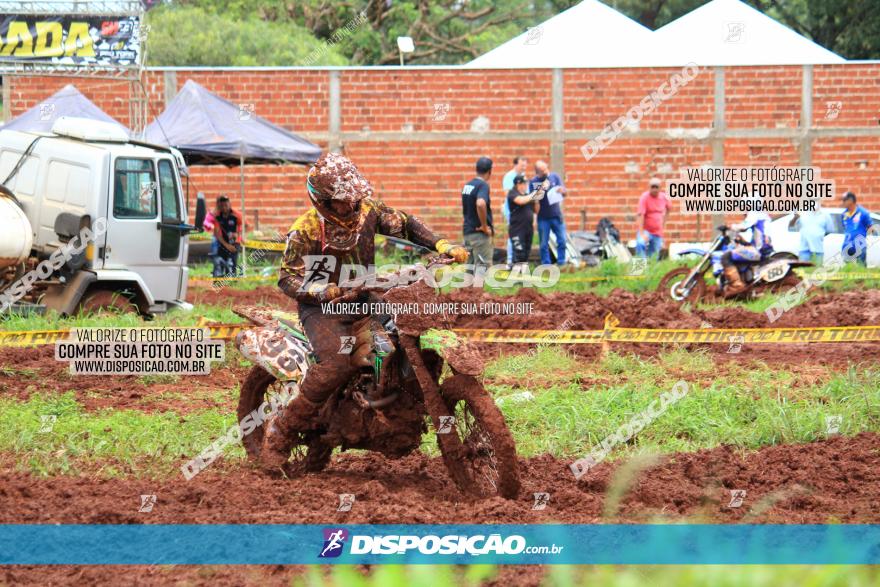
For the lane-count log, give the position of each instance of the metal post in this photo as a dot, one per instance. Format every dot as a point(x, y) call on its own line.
point(241, 181)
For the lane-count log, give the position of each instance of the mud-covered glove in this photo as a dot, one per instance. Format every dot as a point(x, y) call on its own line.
point(324, 292)
point(458, 253)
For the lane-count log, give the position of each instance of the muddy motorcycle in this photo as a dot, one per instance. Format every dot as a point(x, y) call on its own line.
point(403, 378)
point(688, 284)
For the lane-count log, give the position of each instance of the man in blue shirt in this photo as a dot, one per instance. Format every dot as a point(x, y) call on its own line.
point(856, 223)
point(549, 215)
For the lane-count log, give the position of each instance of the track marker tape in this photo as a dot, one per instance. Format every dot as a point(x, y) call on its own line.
point(611, 333)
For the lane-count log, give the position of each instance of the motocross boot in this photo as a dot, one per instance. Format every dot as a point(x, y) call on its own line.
point(734, 285)
point(278, 440)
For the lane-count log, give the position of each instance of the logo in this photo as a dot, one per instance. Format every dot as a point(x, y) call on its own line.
point(534, 35)
point(736, 343)
point(334, 539)
point(346, 501)
point(541, 501)
point(447, 423)
point(736, 498)
point(318, 270)
point(638, 265)
point(346, 345)
point(245, 111)
point(441, 110)
point(47, 111)
point(832, 424)
point(832, 109)
point(47, 422)
point(147, 503)
point(735, 32)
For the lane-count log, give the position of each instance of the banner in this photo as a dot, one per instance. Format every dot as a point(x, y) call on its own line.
point(279, 544)
point(70, 39)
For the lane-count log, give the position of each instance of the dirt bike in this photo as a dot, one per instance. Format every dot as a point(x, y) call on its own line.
point(384, 408)
point(688, 284)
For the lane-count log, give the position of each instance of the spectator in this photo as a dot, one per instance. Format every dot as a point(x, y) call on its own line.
point(814, 226)
point(550, 213)
point(519, 168)
point(522, 218)
point(653, 206)
point(856, 223)
point(476, 207)
point(208, 226)
point(226, 230)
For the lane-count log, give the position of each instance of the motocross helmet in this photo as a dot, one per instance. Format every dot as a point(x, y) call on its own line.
point(335, 178)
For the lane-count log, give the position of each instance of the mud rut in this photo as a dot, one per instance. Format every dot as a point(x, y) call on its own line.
point(831, 480)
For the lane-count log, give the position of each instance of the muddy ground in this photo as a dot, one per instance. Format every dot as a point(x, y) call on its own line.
point(830, 481)
point(836, 479)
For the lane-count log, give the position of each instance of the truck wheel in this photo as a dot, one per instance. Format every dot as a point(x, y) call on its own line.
point(98, 300)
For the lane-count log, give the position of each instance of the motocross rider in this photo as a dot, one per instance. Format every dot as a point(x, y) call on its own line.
point(745, 251)
point(338, 229)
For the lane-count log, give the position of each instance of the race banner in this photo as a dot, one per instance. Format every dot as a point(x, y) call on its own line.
point(71, 39)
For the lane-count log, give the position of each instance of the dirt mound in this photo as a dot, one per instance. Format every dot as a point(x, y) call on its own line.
point(837, 479)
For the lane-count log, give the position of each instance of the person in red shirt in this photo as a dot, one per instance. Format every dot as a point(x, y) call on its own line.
point(653, 206)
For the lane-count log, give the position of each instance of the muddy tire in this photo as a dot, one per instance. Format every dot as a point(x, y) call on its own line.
point(105, 300)
point(486, 464)
point(309, 453)
point(670, 282)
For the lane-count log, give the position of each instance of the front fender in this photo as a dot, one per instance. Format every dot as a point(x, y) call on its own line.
point(276, 350)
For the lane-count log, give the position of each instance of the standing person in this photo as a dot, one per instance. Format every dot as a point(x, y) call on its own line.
point(814, 226)
point(227, 225)
point(476, 207)
point(523, 208)
point(856, 223)
point(520, 164)
point(653, 206)
point(550, 217)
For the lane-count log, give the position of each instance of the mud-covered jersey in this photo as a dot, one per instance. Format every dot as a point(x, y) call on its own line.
point(317, 248)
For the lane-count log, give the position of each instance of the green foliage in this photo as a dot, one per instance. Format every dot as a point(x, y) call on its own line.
point(193, 35)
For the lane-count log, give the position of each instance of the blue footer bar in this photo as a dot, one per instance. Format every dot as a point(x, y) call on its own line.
point(439, 544)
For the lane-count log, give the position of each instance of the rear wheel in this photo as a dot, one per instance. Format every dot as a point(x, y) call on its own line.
point(672, 284)
point(106, 300)
point(486, 465)
point(308, 454)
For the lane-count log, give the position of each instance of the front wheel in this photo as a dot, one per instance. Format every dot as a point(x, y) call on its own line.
point(673, 284)
point(259, 388)
point(487, 464)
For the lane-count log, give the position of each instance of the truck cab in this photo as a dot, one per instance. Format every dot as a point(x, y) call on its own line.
point(87, 170)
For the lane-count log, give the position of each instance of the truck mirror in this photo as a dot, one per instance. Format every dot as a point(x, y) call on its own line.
point(201, 211)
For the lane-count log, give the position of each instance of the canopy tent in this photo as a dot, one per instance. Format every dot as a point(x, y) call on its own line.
point(209, 130)
point(68, 101)
point(589, 34)
point(721, 32)
point(729, 32)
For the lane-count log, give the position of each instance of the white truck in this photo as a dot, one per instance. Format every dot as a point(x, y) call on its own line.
point(83, 174)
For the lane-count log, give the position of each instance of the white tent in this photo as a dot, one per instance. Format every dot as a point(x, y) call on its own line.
point(589, 34)
point(729, 32)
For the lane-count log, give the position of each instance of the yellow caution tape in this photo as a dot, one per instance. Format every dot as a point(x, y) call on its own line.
point(611, 333)
point(221, 280)
point(265, 245)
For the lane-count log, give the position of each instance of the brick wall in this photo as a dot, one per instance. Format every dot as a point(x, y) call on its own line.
point(418, 158)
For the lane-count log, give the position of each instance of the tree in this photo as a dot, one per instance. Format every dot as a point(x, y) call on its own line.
point(189, 35)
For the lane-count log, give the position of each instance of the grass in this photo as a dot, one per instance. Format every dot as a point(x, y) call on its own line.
point(54, 321)
point(575, 406)
point(605, 575)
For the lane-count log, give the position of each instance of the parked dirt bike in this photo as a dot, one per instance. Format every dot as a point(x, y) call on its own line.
point(688, 284)
point(383, 409)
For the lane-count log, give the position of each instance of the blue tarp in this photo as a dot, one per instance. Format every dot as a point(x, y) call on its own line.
point(67, 101)
point(210, 130)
